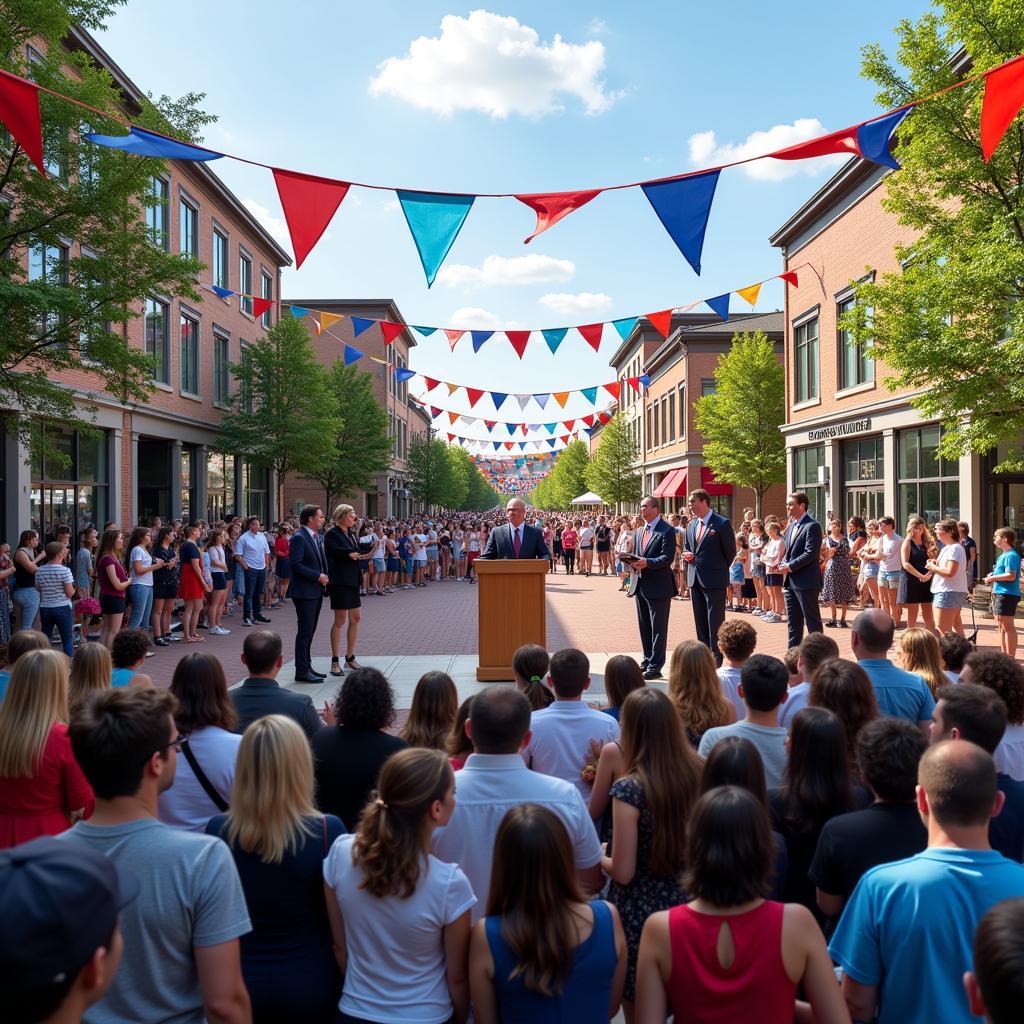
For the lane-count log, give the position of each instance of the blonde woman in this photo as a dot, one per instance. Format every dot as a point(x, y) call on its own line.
point(920, 653)
point(870, 565)
point(915, 592)
point(694, 689)
point(949, 585)
point(91, 670)
point(279, 842)
point(42, 789)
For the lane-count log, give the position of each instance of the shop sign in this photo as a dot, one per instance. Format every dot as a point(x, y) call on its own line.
point(840, 430)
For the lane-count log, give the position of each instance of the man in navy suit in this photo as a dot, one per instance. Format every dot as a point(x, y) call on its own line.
point(653, 584)
point(708, 552)
point(801, 569)
point(517, 539)
point(309, 577)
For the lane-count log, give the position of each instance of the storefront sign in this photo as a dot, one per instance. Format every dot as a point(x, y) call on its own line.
point(840, 430)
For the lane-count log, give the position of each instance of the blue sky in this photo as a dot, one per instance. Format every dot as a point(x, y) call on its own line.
point(630, 92)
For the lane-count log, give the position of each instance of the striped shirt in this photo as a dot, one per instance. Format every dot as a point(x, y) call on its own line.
point(50, 580)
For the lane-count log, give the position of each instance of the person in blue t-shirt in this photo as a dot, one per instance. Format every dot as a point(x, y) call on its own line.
point(1005, 581)
point(904, 940)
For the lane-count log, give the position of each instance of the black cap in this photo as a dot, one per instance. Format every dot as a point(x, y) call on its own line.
point(59, 903)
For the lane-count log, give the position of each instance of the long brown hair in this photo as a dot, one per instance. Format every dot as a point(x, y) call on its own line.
point(656, 753)
point(844, 688)
point(389, 844)
point(694, 689)
point(435, 705)
point(459, 744)
point(202, 691)
point(533, 887)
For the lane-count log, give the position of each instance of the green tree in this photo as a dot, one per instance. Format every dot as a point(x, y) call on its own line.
point(429, 470)
point(611, 472)
point(70, 310)
point(283, 412)
point(568, 478)
point(460, 468)
point(740, 421)
point(362, 447)
point(951, 324)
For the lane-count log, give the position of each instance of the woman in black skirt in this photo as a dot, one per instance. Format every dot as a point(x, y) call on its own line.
point(915, 593)
point(345, 559)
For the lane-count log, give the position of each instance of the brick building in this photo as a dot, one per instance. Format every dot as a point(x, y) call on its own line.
point(661, 420)
point(390, 496)
point(156, 459)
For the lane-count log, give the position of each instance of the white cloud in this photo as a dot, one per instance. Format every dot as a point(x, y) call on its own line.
point(707, 151)
point(390, 206)
point(275, 226)
point(597, 27)
point(580, 303)
point(502, 270)
point(495, 65)
point(473, 318)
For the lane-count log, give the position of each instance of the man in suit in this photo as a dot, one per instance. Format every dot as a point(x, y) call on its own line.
point(517, 539)
point(709, 549)
point(260, 695)
point(801, 569)
point(653, 584)
point(309, 577)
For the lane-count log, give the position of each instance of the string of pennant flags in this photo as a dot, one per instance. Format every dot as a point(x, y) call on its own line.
point(585, 422)
point(682, 203)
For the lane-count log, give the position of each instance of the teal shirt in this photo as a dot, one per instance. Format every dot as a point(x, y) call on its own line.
point(1008, 561)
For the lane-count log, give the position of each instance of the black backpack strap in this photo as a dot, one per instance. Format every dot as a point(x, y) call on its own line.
point(219, 802)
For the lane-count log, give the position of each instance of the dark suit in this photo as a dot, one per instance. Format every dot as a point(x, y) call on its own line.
point(654, 587)
point(803, 581)
point(257, 698)
point(499, 543)
point(306, 591)
point(708, 576)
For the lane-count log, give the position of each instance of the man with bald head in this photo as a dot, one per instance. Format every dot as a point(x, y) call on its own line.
point(517, 539)
point(904, 940)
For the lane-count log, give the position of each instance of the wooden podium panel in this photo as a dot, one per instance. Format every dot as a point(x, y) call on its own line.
point(512, 612)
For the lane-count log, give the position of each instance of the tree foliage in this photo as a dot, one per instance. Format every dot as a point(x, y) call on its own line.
point(429, 470)
point(611, 472)
point(567, 479)
point(951, 324)
point(740, 421)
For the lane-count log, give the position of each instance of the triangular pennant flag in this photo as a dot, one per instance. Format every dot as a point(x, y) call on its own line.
point(591, 334)
point(522, 427)
point(474, 396)
point(683, 206)
point(661, 322)
point(508, 445)
point(435, 412)
point(453, 337)
point(19, 112)
point(352, 354)
point(750, 293)
point(590, 394)
point(645, 379)
point(522, 446)
point(524, 401)
point(1004, 96)
point(568, 424)
point(309, 203)
point(452, 417)
point(551, 207)
point(604, 417)
point(402, 373)
point(790, 278)
point(550, 427)
point(260, 306)
point(435, 221)
point(518, 340)
point(299, 311)
point(511, 428)
point(613, 389)
point(554, 337)
point(634, 383)
point(490, 425)
point(431, 383)
point(625, 326)
point(425, 331)
point(497, 445)
point(561, 397)
point(874, 138)
point(479, 337)
point(224, 293)
point(534, 426)
point(498, 399)
point(588, 420)
point(565, 439)
point(143, 143)
point(541, 400)
point(452, 388)
point(360, 324)
point(551, 442)
point(390, 330)
point(451, 437)
point(329, 319)
point(842, 141)
point(720, 304)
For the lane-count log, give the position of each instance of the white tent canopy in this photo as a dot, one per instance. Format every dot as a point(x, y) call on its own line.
point(590, 498)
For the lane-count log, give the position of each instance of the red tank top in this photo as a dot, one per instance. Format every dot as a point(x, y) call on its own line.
point(755, 987)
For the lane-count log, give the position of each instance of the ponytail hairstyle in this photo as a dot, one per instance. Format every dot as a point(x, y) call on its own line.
point(389, 846)
point(533, 887)
point(530, 665)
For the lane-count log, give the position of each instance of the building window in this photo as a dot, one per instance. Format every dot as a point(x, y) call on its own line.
point(245, 384)
point(672, 415)
point(189, 229)
point(73, 491)
point(158, 212)
point(928, 485)
point(49, 264)
point(805, 357)
point(855, 363)
point(864, 460)
point(220, 486)
point(189, 355)
point(649, 432)
point(266, 292)
point(806, 463)
point(158, 339)
point(221, 374)
point(254, 491)
point(88, 154)
point(708, 387)
point(220, 259)
point(245, 283)
point(682, 410)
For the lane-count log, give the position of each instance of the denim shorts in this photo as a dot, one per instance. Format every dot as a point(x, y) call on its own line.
point(378, 565)
point(890, 580)
point(949, 599)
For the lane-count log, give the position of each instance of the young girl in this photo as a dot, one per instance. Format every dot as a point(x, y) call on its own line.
point(738, 571)
point(772, 554)
point(838, 587)
point(219, 581)
point(435, 703)
point(758, 539)
point(530, 666)
point(460, 746)
point(920, 653)
point(870, 556)
point(569, 539)
point(113, 584)
point(1005, 582)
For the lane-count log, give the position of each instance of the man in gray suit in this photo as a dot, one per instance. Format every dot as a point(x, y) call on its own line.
point(517, 539)
point(710, 547)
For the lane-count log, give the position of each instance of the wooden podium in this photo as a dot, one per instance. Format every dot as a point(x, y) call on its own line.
point(512, 612)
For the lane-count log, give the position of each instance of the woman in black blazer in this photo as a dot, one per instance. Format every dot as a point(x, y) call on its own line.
point(344, 563)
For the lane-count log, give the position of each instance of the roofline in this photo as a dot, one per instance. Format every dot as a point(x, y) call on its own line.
point(394, 313)
point(724, 329)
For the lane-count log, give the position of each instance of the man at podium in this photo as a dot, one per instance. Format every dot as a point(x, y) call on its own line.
point(517, 539)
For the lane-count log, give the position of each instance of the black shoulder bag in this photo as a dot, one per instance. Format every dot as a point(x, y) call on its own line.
point(219, 802)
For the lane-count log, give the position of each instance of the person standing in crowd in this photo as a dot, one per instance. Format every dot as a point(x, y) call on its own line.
point(838, 587)
point(56, 587)
point(915, 592)
point(801, 569)
point(586, 548)
point(870, 556)
point(890, 549)
point(624, 546)
point(517, 538)
point(603, 539)
point(252, 552)
point(710, 548)
point(192, 585)
point(950, 581)
point(84, 570)
point(970, 546)
point(570, 539)
point(282, 557)
point(344, 560)
point(165, 586)
point(736, 641)
point(24, 595)
point(843, 687)
point(695, 690)
point(557, 553)
point(814, 650)
point(308, 566)
point(995, 988)
point(1005, 582)
point(653, 584)
point(113, 584)
point(141, 566)
point(772, 553)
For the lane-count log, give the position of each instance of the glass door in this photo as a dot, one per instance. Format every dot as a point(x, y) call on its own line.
point(866, 502)
point(1005, 509)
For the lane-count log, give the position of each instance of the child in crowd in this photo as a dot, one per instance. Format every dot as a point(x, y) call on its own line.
point(736, 641)
point(955, 649)
point(530, 666)
point(435, 706)
point(737, 572)
point(813, 651)
point(1005, 582)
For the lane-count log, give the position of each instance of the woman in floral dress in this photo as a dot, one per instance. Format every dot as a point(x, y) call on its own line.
point(838, 587)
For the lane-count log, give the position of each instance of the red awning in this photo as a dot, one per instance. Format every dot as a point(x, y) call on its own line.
point(711, 485)
point(674, 484)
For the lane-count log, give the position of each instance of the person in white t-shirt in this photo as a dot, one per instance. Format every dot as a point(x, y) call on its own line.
point(587, 548)
point(949, 578)
point(141, 566)
point(891, 547)
point(419, 555)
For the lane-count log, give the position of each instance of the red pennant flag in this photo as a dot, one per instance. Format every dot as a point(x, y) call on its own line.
point(790, 278)
point(568, 424)
point(453, 337)
point(390, 330)
point(592, 335)
point(551, 207)
point(474, 395)
point(19, 111)
point(523, 425)
point(309, 203)
point(634, 383)
point(260, 306)
point(661, 322)
point(451, 437)
point(508, 445)
point(842, 141)
point(435, 412)
point(588, 420)
point(490, 425)
point(603, 417)
point(452, 417)
point(613, 389)
point(431, 383)
point(518, 340)
point(1004, 96)
point(564, 440)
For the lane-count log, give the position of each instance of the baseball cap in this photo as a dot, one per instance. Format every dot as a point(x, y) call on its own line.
point(59, 902)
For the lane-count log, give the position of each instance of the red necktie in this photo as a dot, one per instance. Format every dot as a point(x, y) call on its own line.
point(645, 538)
point(700, 531)
point(515, 543)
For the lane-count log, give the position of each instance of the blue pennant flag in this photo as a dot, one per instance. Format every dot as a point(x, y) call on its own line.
point(683, 206)
point(143, 143)
point(352, 354)
point(542, 400)
point(224, 293)
point(360, 324)
point(645, 379)
point(497, 445)
point(425, 331)
point(625, 326)
point(554, 337)
point(522, 446)
point(498, 398)
point(551, 442)
point(874, 137)
point(435, 221)
point(403, 373)
point(590, 394)
point(511, 428)
point(550, 427)
point(720, 304)
point(299, 311)
point(479, 337)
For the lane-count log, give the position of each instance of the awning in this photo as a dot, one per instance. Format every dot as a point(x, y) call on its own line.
point(673, 485)
point(711, 485)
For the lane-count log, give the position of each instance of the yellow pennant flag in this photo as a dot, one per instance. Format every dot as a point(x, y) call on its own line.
point(452, 388)
point(328, 319)
point(750, 294)
point(561, 397)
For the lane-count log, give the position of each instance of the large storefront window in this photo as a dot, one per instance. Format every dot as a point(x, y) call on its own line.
point(806, 463)
point(70, 491)
point(254, 491)
point(864, 477)
point(928, 485)
point(220, 487)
